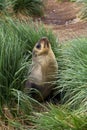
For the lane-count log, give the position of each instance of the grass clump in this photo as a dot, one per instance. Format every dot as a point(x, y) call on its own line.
point(33, 8)
point(16, 43)
point(73, 74)
point(12, 63)
point(83, 12)
point(29, 7)
point(2, 4)
point(72, 81)
point(60, 118)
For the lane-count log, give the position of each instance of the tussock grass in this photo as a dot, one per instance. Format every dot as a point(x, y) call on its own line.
point(72, 83)
point(11, 63)
point(2, 4)
point(60, 118)
point(33, 8)
point(83, 12)
point(16, 43)
point(73, 73)
point(29, 7)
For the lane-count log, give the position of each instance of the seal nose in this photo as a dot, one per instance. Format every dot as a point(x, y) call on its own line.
point(45, 41)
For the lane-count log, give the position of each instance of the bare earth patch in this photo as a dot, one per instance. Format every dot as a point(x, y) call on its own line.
point(61, 17)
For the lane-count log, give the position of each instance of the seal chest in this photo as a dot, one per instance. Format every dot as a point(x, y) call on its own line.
point(44, 69)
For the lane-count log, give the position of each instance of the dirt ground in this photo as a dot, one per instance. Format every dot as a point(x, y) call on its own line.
point(62, 18)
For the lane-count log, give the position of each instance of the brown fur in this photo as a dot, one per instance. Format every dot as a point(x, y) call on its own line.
point(44, 68)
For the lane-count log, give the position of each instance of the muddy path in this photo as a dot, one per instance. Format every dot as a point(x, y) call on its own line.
point(61, 17)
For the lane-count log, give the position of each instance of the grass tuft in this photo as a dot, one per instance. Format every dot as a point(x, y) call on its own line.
point(29, 7)
point(73, 73)
point(60, 118)
point(83, 12)
point(2, 4)
point(16, 43)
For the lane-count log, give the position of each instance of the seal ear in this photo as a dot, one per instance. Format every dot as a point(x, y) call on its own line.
point(45, 41)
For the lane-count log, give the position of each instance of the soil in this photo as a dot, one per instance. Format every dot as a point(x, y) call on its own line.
point(62, 18)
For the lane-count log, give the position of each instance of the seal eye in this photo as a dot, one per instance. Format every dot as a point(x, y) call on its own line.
point(38, 46)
